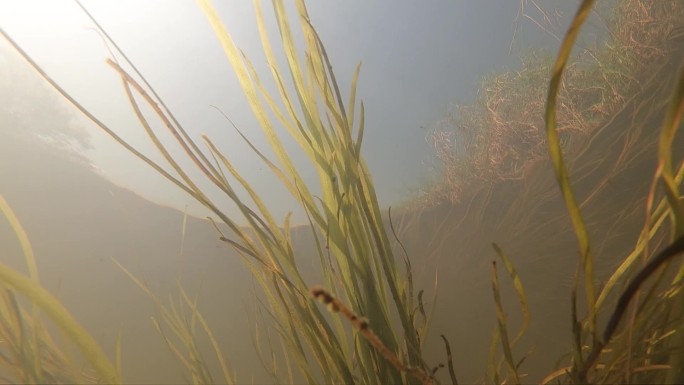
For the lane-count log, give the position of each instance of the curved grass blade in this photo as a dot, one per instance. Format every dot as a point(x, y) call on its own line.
point(503, 328)
point(450, 361)
point(667, 135)
point(519, 290)
point(560, 169)
point(62, 318)
point(30, 259)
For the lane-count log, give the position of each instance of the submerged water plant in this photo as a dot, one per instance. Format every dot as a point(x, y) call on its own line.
point(355, 254)
point(637, 342)
point(364, 279)
point(28, 352)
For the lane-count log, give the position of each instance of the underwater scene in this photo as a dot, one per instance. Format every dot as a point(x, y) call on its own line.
point(291, 192)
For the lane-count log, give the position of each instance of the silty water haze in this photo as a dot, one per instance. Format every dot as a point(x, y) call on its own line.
point(82, 225)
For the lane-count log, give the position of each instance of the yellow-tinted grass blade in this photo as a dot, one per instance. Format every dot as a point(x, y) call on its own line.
point(92, 117)
point(167, 111)
point(672, 122)
point(674, 249)
point(667, 135)
point(40, 298)
point(269, 224)
point(30, 259)
point(176, 320)
point(22, 237)
point(128, 80)
point(519, 290)
point(242, 73)
point(352, 95)
point(503, 328)
point(227, 378)
point(492, 367)
point(62, 318)
point(559, 165)
point(171, 346)
point(349, 212)
point(631, 258)
point(555, 374)
point(302, 136)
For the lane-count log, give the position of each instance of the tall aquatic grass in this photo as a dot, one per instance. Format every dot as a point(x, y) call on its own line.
point(501, 135)
point(28, 351)
point(502, 139)
point(362, 278)
point(598, 345)
point(355, 253)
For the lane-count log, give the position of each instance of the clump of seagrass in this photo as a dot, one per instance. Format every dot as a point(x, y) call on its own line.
point(675, 249)
point(361, 324)
point(329, 130)
point(29, 351)
point(670, 205)
point(501, 136)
